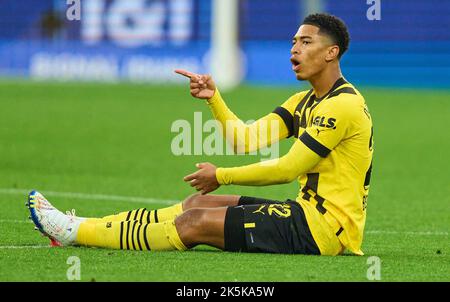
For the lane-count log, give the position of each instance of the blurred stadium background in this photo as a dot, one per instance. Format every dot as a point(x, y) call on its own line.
point(140, 40)
point(87, 106)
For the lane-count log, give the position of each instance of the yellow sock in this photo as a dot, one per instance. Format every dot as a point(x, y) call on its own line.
point(143, 215)
point(139, 214)
point(165, 214)
point(130, 235)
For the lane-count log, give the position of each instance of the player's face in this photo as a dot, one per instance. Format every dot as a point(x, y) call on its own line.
point(309, 51)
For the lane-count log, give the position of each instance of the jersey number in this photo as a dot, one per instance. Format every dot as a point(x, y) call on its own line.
point(280, 210)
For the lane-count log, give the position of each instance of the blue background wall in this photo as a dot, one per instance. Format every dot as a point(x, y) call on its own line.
point(408, 47)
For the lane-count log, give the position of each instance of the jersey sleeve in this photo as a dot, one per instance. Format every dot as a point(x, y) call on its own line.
point(245, 138)
point(299, 160)
point(330, 124)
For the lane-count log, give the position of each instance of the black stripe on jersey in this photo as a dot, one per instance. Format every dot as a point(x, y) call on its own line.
point(298, 109)
point(142, 215)
point(349, 90)
point(308, 105)
point(368, 174)
point(306, 195)
point(121, 235)
point(287, 118)
point(132, 234)
point(312, 182)
point(320, 200)
point(339, 232)
point(333, 93)
point(312, 108)
point(138, 237)
point(314, 145)
point(144, 233)
point(338, 83)
point(156, 215)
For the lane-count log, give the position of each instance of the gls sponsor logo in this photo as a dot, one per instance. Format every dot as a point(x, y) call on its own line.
point(320, 122)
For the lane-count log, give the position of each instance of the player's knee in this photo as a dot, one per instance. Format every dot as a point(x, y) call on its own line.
point(191, 219)
point(190, 225)
point(194, 201)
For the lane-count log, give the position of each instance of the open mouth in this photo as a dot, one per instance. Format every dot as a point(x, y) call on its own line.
point(295, 64)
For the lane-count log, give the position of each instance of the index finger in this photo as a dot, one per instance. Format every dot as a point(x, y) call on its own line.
point(185, 73)
point(191, 176)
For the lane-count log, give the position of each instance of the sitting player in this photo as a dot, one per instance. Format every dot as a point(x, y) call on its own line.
point(331, 156)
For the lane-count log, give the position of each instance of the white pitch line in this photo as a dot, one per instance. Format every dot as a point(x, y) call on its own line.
point(24, 246)
point(85, 196)
point(15, 221)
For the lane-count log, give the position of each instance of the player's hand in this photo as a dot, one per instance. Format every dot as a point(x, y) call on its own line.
point(204, 180)
point(202, 85)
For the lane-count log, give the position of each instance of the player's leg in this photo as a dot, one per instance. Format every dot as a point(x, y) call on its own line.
point(192, 227)
point(261, 225)
point(221, 227)
point(137, 214)
point(255, 225)
point(195, 226)
point(269, 227)
point(193, 201)
point(202, 226)
point(143, 215)
point(168, 213)
point(196, 200)
point(210, 201)
point(275, 228)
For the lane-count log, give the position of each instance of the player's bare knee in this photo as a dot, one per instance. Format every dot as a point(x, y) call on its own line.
point(190, 219)
point(194, 201)
point(189, 202)
point(190, 225)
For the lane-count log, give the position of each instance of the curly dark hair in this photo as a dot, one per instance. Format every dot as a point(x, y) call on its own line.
point(332, 26)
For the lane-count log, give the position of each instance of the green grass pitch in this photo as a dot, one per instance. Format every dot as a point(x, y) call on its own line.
point(70, 139)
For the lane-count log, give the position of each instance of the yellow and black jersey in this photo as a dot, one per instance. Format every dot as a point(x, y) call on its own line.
point(331, 157)
point(338, 127)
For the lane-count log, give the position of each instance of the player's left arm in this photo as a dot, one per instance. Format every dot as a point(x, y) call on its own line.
point(298, 160)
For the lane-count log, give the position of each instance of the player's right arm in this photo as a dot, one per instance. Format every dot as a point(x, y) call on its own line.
point(243, 137)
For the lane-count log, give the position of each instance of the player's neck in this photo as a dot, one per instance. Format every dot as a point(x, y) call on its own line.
point(324, 81)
